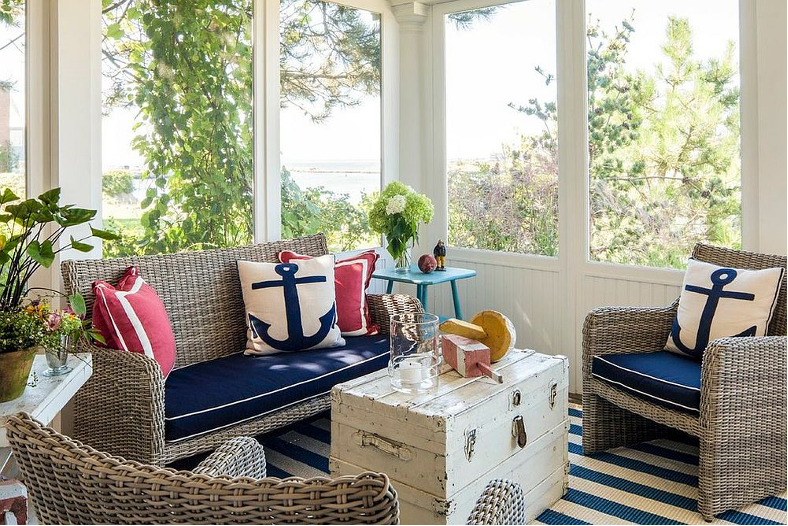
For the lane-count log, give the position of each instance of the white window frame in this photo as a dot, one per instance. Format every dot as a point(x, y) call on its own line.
point(573, 180)
point(265, 37)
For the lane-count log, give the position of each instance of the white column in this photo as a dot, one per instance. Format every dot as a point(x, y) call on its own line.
point(411, 17)
point(414, 123)
point(64, 113)
point(75, 105)
point(772, 140)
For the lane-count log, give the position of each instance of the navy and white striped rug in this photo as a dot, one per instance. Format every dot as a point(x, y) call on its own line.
point(651, 483)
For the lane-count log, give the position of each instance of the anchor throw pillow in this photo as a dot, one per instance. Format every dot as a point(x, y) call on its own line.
point(290, 306)
point(351, 281)
point(719, 302)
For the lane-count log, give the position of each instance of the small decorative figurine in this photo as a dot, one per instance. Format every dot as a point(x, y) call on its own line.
point(427, 263)
point(440, 255)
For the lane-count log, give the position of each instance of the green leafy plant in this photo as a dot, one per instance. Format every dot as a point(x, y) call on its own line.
point(398, 213)
point(30, 234)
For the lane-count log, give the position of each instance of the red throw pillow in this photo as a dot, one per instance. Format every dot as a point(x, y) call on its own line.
point(351, 280)
point(132, 318)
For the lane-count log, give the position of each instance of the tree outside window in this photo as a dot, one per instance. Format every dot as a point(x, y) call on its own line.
point(177, 90)
point(664, 159)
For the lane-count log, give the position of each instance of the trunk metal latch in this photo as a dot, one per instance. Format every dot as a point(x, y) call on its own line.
point(470, 443)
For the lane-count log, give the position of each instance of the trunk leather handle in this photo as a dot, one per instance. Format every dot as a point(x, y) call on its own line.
point(518, 431)
point(391, 448)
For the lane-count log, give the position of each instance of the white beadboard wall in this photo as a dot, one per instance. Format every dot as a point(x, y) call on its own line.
point(536, 301)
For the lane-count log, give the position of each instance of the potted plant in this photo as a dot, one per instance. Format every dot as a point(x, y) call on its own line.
point(30, 231)
point(398, 213)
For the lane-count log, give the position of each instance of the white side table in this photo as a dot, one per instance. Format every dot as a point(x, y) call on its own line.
point(44, 396)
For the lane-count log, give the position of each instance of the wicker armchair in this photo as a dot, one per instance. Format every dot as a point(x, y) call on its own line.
point(121, 408)
point(741, 423)
point(71, 483)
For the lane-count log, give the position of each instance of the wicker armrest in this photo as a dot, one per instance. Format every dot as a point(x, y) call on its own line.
point(383, 306)
point(501, 502)
point(120, 409)
point(744, 381)
point(743, 422)
point(238, 457)
point(615, 330)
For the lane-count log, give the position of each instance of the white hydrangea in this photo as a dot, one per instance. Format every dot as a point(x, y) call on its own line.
point(395, 205)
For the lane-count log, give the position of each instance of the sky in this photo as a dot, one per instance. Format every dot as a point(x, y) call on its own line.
point(488, 65)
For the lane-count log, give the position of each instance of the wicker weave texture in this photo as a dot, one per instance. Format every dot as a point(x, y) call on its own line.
point(502, 502)
point(742, 420)
point(121, 408)
point(71, 483)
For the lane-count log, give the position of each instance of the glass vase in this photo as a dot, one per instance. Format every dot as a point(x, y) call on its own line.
point(415, 355)
point(57, 358)
point(402, 262)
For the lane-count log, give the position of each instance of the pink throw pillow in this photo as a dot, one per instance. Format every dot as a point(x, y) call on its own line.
point(132, 318)
point(351, 280)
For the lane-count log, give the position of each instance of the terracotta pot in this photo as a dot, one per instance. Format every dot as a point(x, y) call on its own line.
point(14, 371)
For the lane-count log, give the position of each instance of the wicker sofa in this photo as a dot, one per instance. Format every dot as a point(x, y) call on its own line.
point(741, 417)
point(72, 483)
point(127, 408)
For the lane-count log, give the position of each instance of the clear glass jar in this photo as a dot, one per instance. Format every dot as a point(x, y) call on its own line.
point(415, 352)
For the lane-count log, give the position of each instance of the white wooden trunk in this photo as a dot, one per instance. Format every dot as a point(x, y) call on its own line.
point(442, 448)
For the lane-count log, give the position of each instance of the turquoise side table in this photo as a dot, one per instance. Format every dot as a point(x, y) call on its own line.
point(422, 281)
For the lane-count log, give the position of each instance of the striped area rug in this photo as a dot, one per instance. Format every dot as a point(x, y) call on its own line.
point(651, 483)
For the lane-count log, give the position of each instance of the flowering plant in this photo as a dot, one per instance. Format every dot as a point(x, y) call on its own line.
point(398, 213)
point(38, 324)
point(30, 238)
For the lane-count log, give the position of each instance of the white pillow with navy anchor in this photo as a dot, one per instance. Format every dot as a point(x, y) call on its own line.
point(290, 306)
point(718, 302)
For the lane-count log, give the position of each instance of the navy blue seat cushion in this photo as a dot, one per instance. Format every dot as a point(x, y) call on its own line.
point(661, 377)
point(212, 395)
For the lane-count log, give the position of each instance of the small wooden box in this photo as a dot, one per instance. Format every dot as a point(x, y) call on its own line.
point(442, 448)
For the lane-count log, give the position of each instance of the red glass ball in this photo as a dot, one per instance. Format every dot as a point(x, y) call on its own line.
point(427, 263)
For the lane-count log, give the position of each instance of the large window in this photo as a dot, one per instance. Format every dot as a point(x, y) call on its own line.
point(177, 126)
point(663, 103)
point(330, 120)
point(501, 128)
point(12, 96)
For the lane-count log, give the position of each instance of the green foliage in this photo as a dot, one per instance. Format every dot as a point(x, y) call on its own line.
point(466, 19)
point(38, 325)
point(664, 151)
point(187, 66)
point(664, 161)
point(30, 231)
point(11, 11)
point(314, 210)
point(19, 331)
point(116, 183)
point(398, 212)
point(511, 205)
point(9, 160)
point(329, 56)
